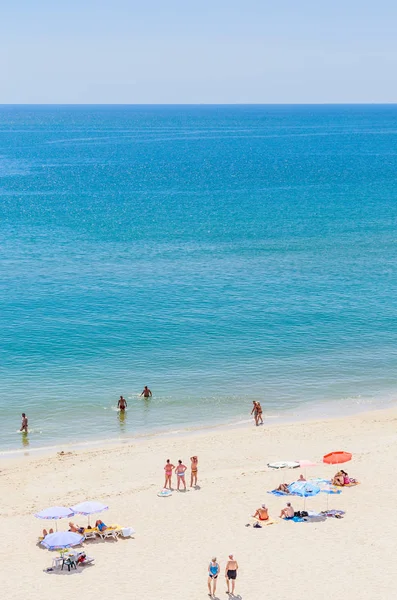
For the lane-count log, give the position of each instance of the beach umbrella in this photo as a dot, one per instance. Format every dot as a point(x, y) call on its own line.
point(304, 463)
point(336, 458)
point(304, 489)
point(88, 508)
point(62, 539)
point(55, 513)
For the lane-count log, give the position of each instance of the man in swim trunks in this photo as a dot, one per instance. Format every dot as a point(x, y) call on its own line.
point(24, 424)
point(122, 403)
point(254, 411)
point(194, 467)
point(287, 512)
point(231, 573)
point(146, 392)
point(262, 513)
point(180, 474)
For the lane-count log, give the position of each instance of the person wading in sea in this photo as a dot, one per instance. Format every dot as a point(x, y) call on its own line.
point(122, 403)
point(146, 393)
point(24, 424)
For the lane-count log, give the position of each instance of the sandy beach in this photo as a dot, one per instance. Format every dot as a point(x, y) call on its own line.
point(176, 537)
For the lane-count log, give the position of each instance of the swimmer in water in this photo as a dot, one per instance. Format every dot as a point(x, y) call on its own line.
point(24, 424)
point(146, 392)
point(122, 404)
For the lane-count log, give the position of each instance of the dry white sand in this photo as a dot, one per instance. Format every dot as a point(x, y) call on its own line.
point(353, 557)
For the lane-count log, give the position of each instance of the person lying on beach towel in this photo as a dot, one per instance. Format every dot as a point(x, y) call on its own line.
point(341, 478)
point(283, 487)
point(45, 532)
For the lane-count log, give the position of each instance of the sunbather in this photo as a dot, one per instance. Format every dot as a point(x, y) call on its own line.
point(45, 532)
point(262, 513)
point(346, 479)
point(287, 512)
point(339, 478)
point(100, 525)
point(301, 478)
point(283, 487)
point(76, 528)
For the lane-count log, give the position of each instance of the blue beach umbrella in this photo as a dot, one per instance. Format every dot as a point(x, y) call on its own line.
point(62, 539)
point(304, 489)
point(55, 513)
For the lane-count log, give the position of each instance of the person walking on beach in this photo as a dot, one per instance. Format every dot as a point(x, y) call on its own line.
point(122, 403)
point(146, 393)
point(259, 413)
point(231, 573)
point(254, 411)
point(168, 473)
point(180, 474)
point(24, 424)
point(194, 468)
point(213, 572)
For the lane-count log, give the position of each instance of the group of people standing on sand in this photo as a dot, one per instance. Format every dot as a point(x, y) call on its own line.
point(257, 412)
point(230, 575)
point(180, 471)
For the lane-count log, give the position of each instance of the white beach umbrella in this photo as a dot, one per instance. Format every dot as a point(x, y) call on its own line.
point(62, 539)
point(88, 508)
point(55, 513)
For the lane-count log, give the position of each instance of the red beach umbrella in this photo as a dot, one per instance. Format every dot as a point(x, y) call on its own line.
point(336, 458)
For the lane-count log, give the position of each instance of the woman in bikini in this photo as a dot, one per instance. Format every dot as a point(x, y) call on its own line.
point(168, 473)
point(194, 467)
point(180, 474)
point(213, 572)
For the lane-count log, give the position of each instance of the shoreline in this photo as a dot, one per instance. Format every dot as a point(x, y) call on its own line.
point(270, 423)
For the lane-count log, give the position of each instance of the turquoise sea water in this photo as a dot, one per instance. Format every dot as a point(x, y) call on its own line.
point(215, 253)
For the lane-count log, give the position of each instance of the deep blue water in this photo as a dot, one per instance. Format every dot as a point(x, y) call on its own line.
point(216, 253)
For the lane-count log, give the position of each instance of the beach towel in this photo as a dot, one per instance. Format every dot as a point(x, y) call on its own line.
point(279, 493)
point(164, 493)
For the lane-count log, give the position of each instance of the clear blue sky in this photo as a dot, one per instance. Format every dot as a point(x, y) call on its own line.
point(218, 51)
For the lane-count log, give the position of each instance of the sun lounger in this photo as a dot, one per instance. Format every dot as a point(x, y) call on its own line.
point(90, 534)
point(109, 532)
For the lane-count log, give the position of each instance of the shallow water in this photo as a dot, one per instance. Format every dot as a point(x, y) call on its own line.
point(216, 254)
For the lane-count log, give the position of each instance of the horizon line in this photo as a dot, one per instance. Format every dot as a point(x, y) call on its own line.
point(199, 104)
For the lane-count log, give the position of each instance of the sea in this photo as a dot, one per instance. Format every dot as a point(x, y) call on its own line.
point(217, 254)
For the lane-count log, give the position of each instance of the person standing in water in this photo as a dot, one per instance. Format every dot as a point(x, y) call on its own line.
point(122, 403)
point(24, 424)
point(146, 392)
point(259, 414)
point(254, 411)
point(194, 469)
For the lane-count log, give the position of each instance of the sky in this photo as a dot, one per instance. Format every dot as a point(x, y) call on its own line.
point(217, 52)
